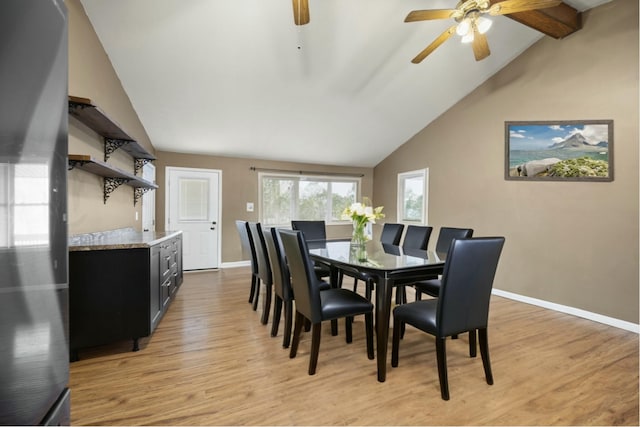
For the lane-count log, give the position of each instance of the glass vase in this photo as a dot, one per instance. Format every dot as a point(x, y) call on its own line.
point(358, 237)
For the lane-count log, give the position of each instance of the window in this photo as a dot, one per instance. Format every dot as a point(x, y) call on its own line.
point(413, 196)
point(24, 205)
point(287, 197)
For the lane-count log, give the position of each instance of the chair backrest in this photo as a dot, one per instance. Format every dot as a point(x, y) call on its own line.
point(264, 268)
point(304, 283)
point(312, 230)
point(467, 280)
point(447, 234)
point(391, 233)
point(248, 251)
point(279, 268)
point(417, 237)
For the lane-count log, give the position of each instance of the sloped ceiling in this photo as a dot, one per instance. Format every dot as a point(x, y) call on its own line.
point(238, 78)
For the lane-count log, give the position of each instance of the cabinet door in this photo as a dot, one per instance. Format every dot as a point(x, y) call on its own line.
point(155, 287)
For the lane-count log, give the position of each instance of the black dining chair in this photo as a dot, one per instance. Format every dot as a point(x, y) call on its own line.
point(264, 268)
point(249, 252)
point(416, 237)
point(317, 306)
point(281, 285)
point(313, 230)
point(462, 305)
point(391, 235)
point(283, 293)
point(431, 285)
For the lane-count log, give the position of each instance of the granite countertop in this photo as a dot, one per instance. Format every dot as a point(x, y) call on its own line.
point(125, 238)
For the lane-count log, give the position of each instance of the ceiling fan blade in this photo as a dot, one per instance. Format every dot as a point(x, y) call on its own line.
point(437, 42)
point(514, 6)
point(425, 15)
point(480, 45)
point(301, 12)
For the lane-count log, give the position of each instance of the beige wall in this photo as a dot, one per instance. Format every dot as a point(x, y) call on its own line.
point(571, 243)
point(91, 75)
point(239, 186)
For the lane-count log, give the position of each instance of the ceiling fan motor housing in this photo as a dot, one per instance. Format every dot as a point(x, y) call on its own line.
point(466, 7)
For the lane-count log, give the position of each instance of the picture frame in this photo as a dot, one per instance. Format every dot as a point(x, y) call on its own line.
point(560, 150)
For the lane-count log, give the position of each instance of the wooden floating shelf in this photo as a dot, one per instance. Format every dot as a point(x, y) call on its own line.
point(93, 117)
point(113, 177)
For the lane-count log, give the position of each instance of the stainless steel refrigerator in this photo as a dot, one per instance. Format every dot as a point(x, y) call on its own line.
point(34, 350)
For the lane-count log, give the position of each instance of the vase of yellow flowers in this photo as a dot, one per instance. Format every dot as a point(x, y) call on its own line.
point(362, 216)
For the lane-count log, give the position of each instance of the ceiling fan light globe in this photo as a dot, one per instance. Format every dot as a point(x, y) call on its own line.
point(483, 24)
point(463, 27)
point(467, 38)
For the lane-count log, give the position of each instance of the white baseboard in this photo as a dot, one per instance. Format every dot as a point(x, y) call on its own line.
point(611, 321)
point(235, 264)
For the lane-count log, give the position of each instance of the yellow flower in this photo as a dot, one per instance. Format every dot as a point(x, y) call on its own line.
point(361, 213)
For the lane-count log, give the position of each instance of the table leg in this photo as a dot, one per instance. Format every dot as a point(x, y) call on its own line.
point(383, 311)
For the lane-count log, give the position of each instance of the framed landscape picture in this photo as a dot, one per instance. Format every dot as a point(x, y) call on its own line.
point(580, 150)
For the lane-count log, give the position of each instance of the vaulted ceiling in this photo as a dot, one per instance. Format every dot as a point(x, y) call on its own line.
point(239, 78)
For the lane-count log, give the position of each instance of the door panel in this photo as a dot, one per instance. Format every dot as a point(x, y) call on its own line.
point(193, 201)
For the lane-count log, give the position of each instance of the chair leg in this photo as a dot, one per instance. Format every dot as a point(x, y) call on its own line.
point(348, 329)
point(368, 289)
point(368, 323)
point(398, 327)
point(288, 317)
point(484, 352)
point(472, 343)
point(257, 294)
point(277, 311)
point(441, 355)
point(334, 327)
point(252, 291)
point(300, 320)
point(267, 304)
point(315, 347)
point(401, 294)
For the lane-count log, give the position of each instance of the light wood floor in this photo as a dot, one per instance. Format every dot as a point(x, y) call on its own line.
point(211, 362)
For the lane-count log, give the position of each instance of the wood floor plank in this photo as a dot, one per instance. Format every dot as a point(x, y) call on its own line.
point(211, 362)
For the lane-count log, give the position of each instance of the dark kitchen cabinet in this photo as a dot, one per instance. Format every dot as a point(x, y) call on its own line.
point(120, 292)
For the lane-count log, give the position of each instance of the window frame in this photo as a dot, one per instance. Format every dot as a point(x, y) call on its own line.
point(402, 177)
point(297, 178)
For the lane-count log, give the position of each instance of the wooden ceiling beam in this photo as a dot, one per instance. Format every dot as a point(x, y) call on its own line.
point(556, 22)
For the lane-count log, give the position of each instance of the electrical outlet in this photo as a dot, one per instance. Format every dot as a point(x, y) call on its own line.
point(136, 215)
point(249, 206)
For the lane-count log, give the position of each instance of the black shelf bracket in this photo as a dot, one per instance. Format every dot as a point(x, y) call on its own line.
point(139, 163)
point(110, 184)
point(139, 192)
point(111, 145)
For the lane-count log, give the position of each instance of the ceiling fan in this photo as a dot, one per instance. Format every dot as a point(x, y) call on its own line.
point(301, 12)
point(471, 25)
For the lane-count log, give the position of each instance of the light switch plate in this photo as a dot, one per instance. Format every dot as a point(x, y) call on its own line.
point(249, 206)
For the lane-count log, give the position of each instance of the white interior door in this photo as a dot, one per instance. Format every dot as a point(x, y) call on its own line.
point(149, 200)
point(193, 204)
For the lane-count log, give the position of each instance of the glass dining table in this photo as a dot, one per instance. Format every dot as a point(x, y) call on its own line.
point(388, 265)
